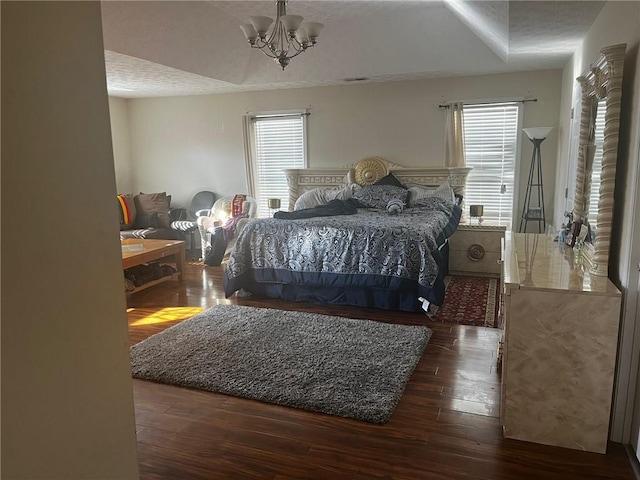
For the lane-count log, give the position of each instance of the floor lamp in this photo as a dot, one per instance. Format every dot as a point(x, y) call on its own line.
point(534, 213)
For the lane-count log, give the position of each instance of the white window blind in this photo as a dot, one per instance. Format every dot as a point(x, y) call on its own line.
point(491, 145)
point(279, 144)
point(594, 195)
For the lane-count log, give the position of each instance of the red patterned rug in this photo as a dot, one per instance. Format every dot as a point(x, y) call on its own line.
point(468, 301)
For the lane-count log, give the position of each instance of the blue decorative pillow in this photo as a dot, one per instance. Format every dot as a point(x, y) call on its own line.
point(378, 196)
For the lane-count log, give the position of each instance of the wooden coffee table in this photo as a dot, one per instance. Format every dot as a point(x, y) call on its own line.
point(137, 251)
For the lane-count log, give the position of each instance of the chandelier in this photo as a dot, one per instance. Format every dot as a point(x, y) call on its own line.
point(286, 39)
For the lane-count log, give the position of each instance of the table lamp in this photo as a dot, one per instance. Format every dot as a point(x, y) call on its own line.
point(273, 204)
point(476, 211)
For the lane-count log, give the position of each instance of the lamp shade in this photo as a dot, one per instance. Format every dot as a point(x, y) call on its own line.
point(291, 22)
point(261, 24)
point(301, 36)
point(313, 29)
point(476, 210)
point(249, 31)
point(273, 203)
point(537, 132)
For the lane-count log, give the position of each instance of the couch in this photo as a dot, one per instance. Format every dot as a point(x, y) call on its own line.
point(150, 216)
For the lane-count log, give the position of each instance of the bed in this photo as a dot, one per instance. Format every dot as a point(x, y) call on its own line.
point(369, 258)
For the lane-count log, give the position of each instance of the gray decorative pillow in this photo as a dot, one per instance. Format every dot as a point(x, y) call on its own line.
point(148, 203)
point(378, 196)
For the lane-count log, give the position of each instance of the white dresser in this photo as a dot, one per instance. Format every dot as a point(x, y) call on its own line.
point(559, 341)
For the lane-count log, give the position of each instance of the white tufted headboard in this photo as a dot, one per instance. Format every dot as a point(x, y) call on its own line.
point(368, 171)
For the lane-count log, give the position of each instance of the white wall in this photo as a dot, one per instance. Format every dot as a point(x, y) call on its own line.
point(121, 140)
point(619, 22)
point(186, 144)
point(67, 402)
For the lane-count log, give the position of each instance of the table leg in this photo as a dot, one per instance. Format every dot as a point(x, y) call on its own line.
point(180, 262)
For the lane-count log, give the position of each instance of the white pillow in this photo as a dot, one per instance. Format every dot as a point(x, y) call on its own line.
point(444, 192)
point(320, 196)
point(309, 199)
point(417, 192)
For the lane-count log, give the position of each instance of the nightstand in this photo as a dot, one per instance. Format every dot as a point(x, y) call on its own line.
point(475, 249)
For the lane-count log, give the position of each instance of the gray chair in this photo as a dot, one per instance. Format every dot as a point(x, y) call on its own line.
point(200, 206)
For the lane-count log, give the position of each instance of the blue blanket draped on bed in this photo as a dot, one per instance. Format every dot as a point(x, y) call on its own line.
point(354, 257)
point(330, 209)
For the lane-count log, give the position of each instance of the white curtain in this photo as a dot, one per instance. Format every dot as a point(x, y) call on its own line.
point(454, 136)
point(249, 154)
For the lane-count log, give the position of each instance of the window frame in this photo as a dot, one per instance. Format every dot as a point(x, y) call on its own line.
point(253, 166)
point(518, 103)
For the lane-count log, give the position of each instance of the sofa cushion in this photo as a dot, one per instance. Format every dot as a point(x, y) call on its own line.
point(147, 221)
point(127, 210)
point(148, 203)
point(152, 233)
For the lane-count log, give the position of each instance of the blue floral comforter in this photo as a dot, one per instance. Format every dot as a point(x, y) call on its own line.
point(368, 249)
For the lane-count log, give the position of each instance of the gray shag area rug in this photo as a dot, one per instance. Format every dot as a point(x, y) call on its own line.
point(339, 366)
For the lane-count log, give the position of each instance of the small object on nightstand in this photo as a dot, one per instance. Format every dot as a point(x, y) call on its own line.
point(476, 211)
point(273, 204)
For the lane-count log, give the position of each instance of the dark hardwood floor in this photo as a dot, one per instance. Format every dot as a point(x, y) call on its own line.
point(446, 425)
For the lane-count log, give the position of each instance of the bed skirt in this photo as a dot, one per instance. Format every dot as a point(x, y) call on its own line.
point(387, 293)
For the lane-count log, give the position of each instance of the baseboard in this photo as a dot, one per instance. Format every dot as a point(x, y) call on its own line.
point(460, 273)
point(633, 460)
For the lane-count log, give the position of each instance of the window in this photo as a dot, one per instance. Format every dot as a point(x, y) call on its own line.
point(491, 135)
point(278, 143)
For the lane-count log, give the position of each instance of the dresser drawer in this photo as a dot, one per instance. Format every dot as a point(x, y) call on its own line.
point(475, 249)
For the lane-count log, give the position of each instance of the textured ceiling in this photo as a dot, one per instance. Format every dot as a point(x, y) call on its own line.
point(167, 48)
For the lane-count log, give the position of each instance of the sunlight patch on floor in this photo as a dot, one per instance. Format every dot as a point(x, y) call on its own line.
point(167, 314)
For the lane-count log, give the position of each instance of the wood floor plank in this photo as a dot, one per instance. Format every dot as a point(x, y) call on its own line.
point(446, 425)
